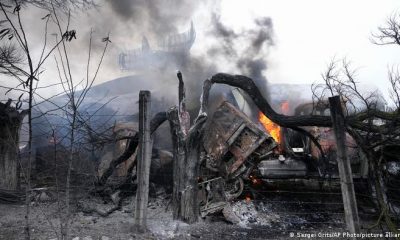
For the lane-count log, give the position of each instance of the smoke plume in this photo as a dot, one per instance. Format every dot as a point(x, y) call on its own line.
point(158, 17)
point(246, 50)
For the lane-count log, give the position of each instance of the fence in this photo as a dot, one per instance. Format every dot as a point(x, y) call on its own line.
point(281, 208)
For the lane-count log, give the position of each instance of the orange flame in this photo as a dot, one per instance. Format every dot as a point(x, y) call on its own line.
point(255, 180)
point(285, 107)
point(272, 128)
point(248, 199)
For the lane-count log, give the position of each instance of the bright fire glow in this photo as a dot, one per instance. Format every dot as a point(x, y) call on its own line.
point(272, 128)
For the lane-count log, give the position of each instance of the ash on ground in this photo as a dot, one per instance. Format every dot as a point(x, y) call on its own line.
point(269, 217)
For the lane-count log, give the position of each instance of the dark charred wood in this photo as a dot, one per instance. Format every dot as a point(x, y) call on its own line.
point(10, 124)
point(181, 92)
point(247, 85)
point(376, 179)
point(189, 201)
point(11, 196)
point(157, 120)
point(103, 212)
point(187, 149)
point(184, 116)
point(354, 121)
point(133, 143)
point(194, 146)
point(207, 84)
point(178, 143)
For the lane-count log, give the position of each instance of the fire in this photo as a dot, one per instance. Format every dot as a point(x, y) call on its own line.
point(255, 180)
point(285, 107)
point(272, 128)
point(248, 199)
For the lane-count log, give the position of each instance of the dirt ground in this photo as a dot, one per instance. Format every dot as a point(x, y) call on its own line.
point(270, 218)
point(119, 225)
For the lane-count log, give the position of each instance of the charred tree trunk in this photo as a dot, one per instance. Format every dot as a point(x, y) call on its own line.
point(187, 151)
point(178, 142)
point(189, 206)
point(10, 124)
point(184, 117)
point(8, 157)
point(179, 120)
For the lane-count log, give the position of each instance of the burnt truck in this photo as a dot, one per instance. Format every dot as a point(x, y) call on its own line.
point(239, 149)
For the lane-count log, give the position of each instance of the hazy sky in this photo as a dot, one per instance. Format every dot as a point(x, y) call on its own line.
point(307, 35)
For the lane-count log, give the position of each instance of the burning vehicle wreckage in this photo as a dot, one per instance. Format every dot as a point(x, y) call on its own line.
point(219, 155)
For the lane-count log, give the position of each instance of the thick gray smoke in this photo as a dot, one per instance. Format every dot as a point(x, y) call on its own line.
point(247, 49)
point(159, 17)
point(230, 50)
point(241, 52)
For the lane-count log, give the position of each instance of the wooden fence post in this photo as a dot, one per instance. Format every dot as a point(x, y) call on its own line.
point(144, 160)
point(346, 176)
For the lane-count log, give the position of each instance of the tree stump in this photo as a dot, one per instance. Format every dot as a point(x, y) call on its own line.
point(10, 124)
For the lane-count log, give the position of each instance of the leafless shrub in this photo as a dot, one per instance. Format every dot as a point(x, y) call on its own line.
point(389, 33)
point(341, 80)
point(394, 91)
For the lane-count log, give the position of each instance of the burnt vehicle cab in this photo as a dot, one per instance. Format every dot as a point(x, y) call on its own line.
point(325, 161)
point(240, 148)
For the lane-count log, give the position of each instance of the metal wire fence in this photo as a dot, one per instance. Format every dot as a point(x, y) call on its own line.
point(302, 205)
